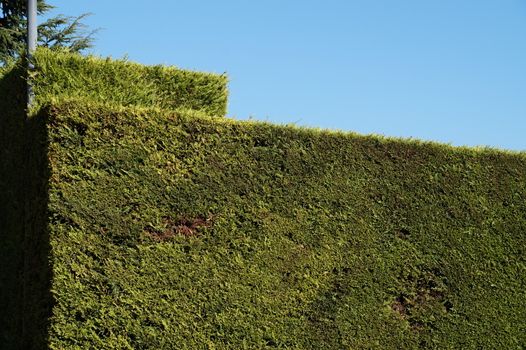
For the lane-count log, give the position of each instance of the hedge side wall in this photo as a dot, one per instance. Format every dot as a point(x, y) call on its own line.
point(177, 230)
point(25, 260)
point(12, 146)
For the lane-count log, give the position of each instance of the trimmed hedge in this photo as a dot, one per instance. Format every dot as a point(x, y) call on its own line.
point(24, 252)
point(159, 228)
point(125, 83)
point(177, 230)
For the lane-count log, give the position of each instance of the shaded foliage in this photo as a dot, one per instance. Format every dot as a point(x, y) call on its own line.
point(25, 270)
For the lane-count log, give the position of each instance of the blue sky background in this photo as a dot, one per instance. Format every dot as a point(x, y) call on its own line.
point(452, 71)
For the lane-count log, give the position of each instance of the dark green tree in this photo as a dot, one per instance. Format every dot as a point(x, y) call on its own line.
point(57, 32)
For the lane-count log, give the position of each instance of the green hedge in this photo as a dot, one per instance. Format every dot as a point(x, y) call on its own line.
point(125, 83)
point(177, 230)
point(131, 227)
point(24, 252)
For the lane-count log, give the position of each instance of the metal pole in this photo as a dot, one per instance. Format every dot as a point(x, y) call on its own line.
point(32, 35)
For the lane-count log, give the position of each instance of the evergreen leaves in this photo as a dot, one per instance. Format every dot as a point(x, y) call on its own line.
point(57, 32)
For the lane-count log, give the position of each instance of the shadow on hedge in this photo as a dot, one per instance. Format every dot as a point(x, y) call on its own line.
point(25, 270)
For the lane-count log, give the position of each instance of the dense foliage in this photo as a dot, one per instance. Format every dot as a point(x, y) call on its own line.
point(24, 252)
point(60, 74)
point(173, 229)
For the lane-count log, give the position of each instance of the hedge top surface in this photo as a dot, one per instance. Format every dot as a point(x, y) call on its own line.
point(62, 74)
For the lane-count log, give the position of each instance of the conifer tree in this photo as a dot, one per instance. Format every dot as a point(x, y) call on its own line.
point(57, 32)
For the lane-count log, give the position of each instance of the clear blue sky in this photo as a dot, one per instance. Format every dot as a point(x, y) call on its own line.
point(452, 71)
